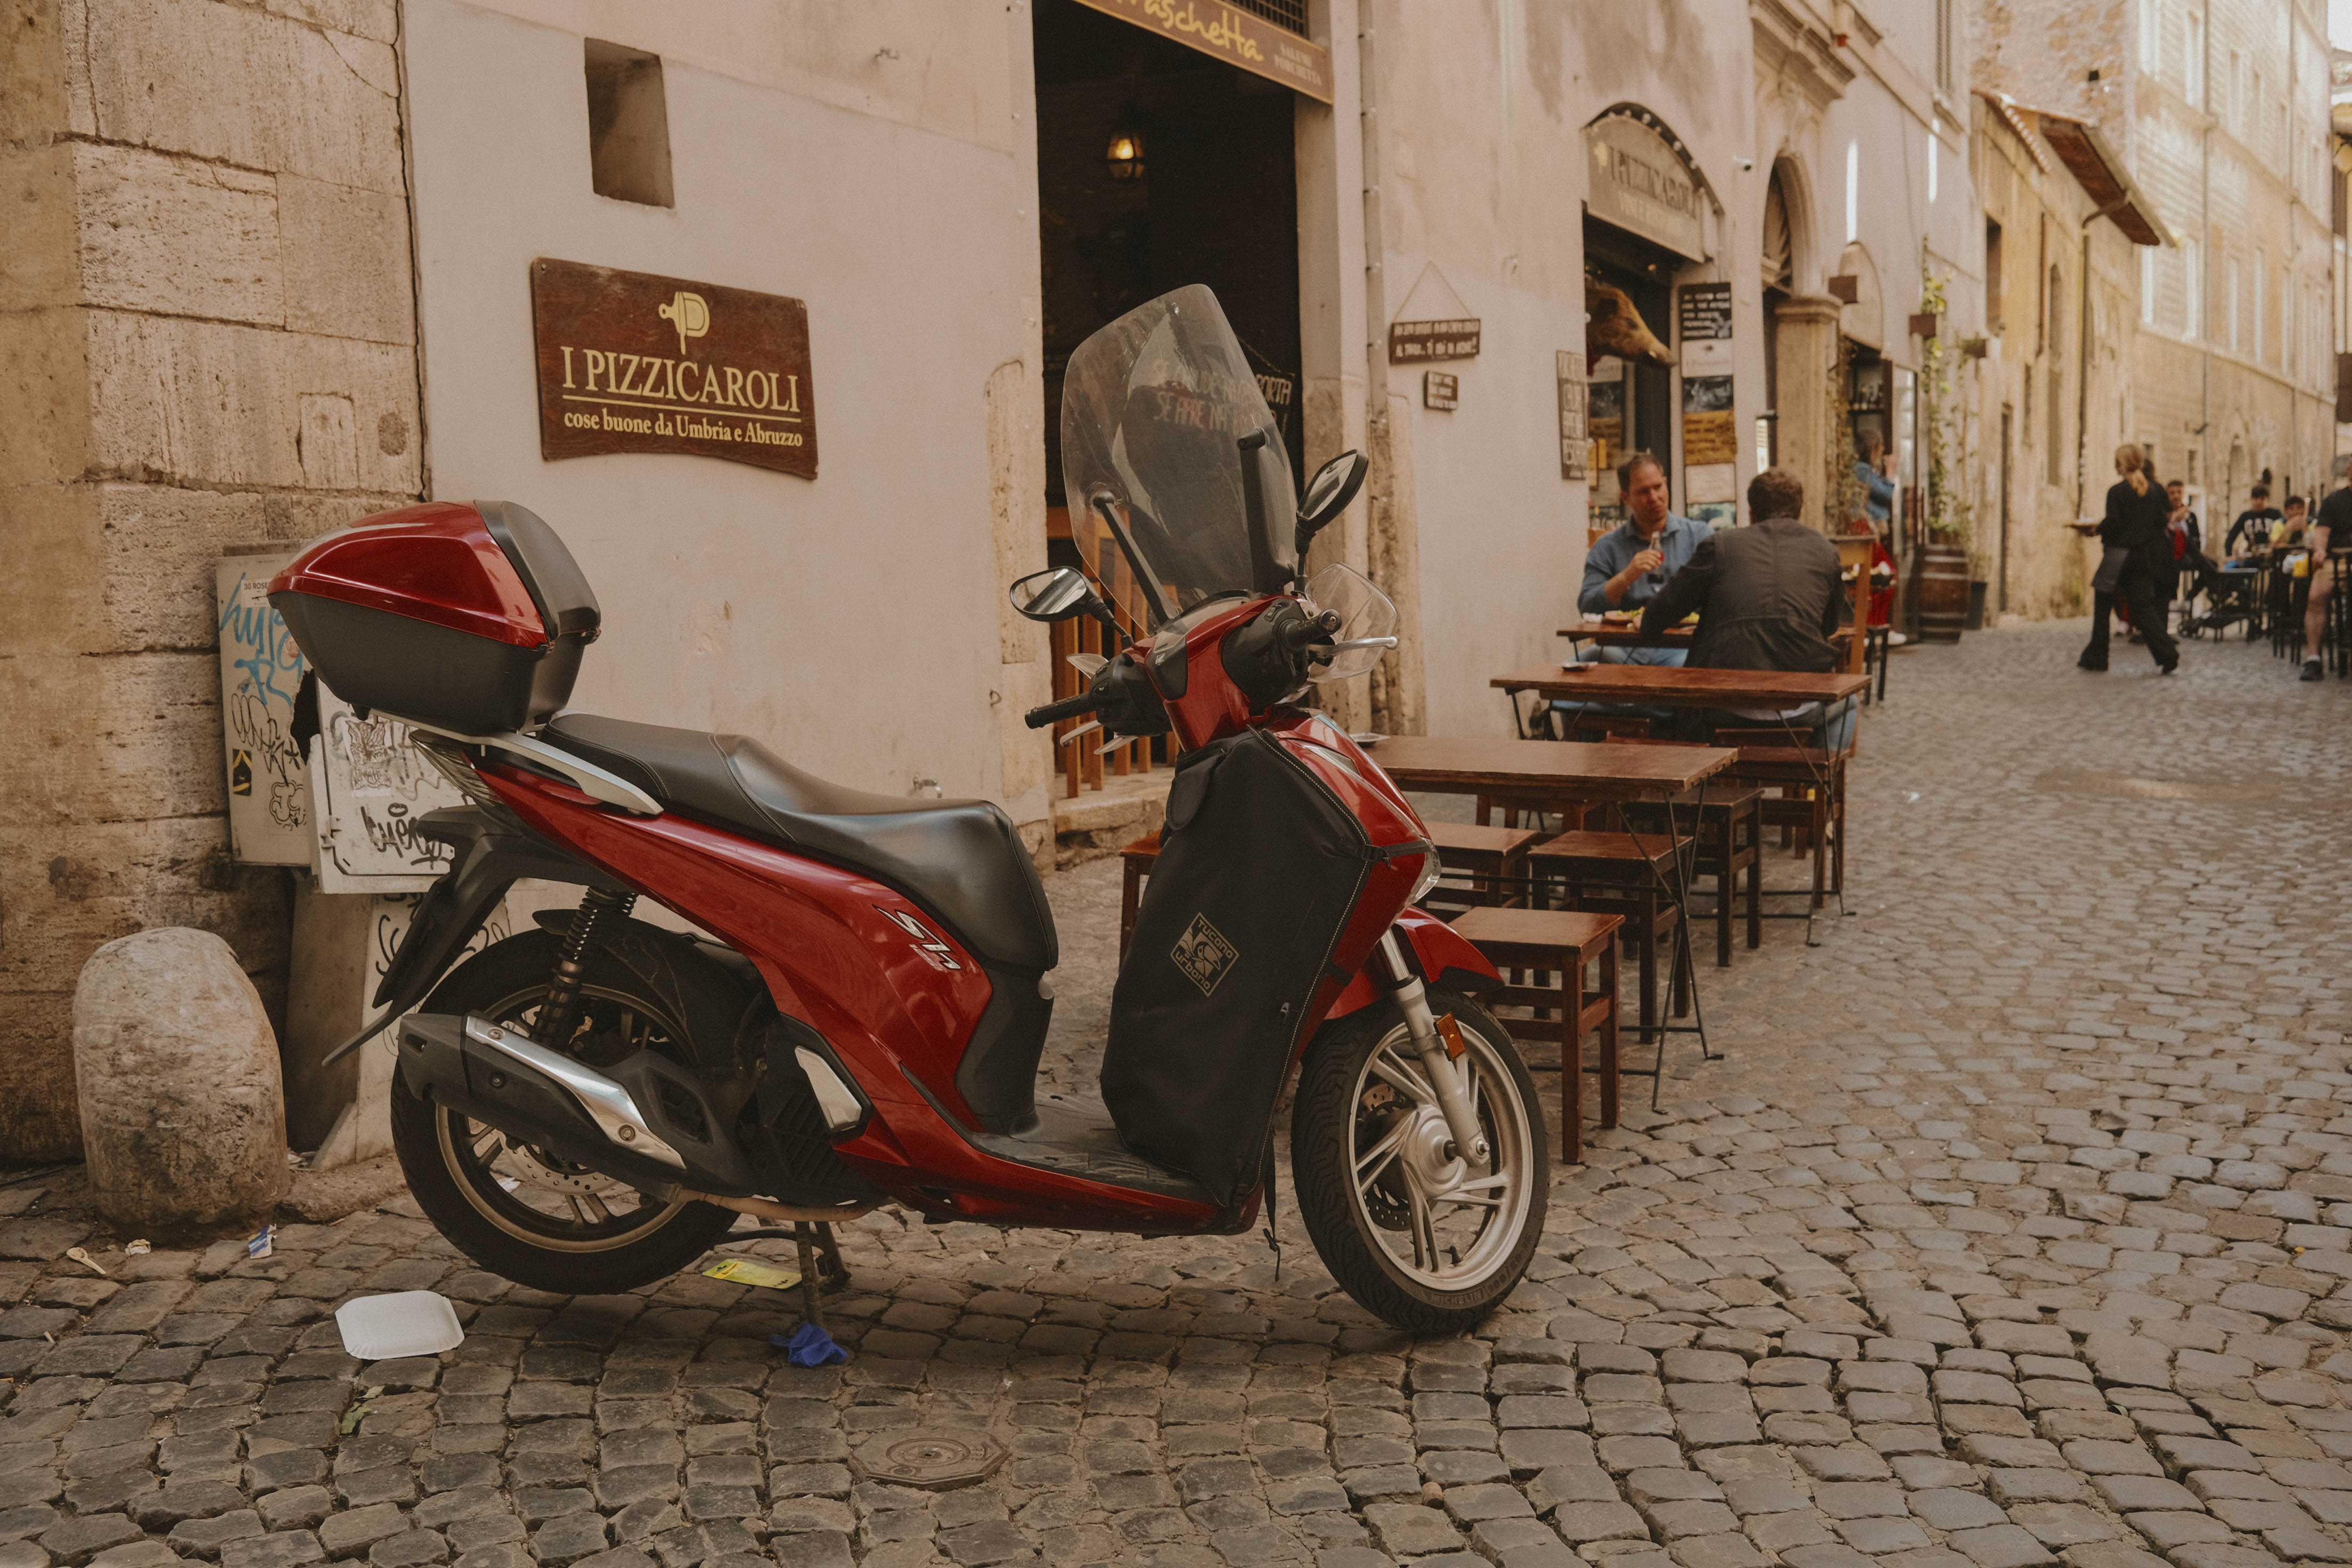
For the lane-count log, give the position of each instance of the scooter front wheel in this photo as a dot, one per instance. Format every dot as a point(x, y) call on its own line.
point(1418, 1234)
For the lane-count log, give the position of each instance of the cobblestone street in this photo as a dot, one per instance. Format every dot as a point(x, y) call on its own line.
point(2015, 1225)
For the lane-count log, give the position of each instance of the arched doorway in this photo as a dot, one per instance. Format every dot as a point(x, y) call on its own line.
point(1652, 224)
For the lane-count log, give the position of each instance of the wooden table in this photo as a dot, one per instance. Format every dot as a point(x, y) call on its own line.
point(1667, 686)
point(1628, 634)
point(1558, 775)
point(1544, 774)
point(1625, 634)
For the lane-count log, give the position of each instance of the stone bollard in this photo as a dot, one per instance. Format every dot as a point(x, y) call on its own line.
point(182, 1113)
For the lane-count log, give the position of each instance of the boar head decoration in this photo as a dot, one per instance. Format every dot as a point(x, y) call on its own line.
point(1612, 326)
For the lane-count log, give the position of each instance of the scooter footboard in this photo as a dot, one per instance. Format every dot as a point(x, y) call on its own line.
point(1444, 956)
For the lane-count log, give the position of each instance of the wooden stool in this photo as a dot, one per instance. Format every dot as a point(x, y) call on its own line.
point(1731, 826)
point(1562, 942)
point(1137, 860)
point(1624, 875)
point(1482, 866)
point(1812, 798)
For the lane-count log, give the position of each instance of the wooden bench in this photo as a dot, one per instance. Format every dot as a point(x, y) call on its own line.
point(1562, 942)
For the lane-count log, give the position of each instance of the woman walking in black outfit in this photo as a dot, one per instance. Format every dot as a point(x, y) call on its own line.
point(2137, 566)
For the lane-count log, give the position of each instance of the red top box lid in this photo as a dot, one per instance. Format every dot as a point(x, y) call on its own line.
point(447, 563)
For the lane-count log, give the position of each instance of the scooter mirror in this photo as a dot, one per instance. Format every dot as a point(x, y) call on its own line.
point(1335, 484)
point(1058, 593)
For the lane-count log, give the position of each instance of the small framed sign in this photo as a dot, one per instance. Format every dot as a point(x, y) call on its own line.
point(1441, 389)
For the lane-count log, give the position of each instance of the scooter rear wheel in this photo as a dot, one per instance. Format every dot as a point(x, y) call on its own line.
point(527, 1214)
point(1425, 1240)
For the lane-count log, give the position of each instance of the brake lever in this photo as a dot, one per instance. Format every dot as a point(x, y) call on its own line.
point(1358, 642)
point(1073, 734)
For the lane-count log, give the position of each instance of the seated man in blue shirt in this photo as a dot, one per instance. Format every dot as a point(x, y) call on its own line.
point(1633, 561)
point(1625, 570)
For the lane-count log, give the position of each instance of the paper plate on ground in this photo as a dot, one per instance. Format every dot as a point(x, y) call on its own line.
point(408, 1322)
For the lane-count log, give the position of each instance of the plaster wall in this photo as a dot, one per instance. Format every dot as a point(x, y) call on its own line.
point(1483, 177)
point(881, 168)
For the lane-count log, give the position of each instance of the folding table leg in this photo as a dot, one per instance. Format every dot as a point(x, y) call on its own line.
point(1571, 1059)
point(1609, 1037)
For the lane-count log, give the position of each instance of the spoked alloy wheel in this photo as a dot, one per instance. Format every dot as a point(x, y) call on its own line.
point(1418, 1232)
point(526, 1212)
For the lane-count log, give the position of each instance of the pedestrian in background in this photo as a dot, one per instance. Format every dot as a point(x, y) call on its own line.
point(2253, 525)
point(1877, 485)
point(2134, 565)
point(2331, 531)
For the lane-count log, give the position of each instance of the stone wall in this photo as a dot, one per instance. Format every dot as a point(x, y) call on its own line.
point(207, 326)
point(2245, 198)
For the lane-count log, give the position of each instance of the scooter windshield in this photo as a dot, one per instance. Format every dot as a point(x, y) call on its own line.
point(1168, 447)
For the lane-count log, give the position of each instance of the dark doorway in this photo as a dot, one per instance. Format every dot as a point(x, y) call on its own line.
point(1209, 196)
point(1637, 396)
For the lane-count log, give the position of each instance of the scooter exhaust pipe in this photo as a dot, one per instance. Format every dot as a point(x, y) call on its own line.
point(497, 1074)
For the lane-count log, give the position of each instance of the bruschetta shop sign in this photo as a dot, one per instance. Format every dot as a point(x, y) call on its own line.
point(631, 362)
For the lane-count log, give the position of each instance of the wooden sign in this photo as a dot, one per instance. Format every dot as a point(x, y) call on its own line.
point(1233, 35)
point(1441, 390)
point(1410, 342)
point(1642, 182)
point(631, 362)
point(1575, 442)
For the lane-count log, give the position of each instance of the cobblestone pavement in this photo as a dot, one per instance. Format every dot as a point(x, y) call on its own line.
point(2016, 1226)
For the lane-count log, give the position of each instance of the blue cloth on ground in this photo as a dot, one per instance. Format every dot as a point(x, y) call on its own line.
point(809, 1345)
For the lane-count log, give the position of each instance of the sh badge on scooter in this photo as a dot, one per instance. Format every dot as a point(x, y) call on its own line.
point(1203, 954)
point(935, 951)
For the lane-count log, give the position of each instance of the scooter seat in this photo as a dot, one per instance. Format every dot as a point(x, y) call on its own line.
point(958, 859)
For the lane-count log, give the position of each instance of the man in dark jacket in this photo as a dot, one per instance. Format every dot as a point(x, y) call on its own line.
point(1768, 599)
point(1767, 595)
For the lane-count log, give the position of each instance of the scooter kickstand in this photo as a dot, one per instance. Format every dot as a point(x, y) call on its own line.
point(828, 1246)
point(811, 1306)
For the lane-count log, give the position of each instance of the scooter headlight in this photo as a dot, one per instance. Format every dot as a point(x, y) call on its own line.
point(1431, 869)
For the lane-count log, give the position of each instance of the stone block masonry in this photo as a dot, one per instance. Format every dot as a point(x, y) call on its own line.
point(207, 321)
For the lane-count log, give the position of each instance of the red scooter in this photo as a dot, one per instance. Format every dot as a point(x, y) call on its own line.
point(591, 1105)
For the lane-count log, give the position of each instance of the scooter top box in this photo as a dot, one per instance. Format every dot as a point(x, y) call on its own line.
point(465, 615)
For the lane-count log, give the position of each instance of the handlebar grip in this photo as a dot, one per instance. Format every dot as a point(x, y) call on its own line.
point(1303, 631)
point(1069, 708)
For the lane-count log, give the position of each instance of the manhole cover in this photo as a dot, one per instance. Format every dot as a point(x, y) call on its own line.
point(935, 1461)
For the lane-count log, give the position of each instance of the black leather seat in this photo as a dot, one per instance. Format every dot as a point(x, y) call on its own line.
point(958, 859)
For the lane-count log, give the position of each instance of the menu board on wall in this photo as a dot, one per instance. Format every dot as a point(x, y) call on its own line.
point(1703, 328)
point(1707, 434)
point(1575, 448)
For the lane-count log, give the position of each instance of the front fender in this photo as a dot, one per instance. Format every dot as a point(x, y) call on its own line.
point(1444, 956)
